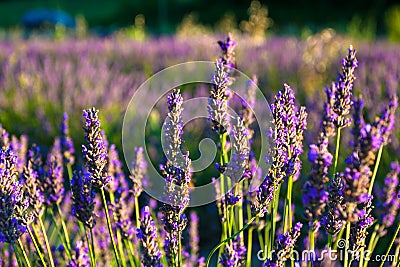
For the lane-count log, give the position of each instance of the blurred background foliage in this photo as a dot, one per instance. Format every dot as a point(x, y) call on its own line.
point(367, 19)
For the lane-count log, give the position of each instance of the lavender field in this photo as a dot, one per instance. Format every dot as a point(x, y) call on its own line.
point(68, 197)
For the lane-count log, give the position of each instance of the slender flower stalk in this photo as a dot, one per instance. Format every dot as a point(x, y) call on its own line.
point(67, 145)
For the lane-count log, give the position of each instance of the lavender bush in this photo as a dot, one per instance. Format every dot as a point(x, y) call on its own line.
point(350, 196)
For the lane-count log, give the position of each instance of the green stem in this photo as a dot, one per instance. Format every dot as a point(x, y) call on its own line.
point(131, 252)
point(137, 212)
point(17, 255)
point(311, 241)
point(275, 207)
point(28, 263)
point(337, 150)
point(346, 253)
point(378, 159)
point(64, 227)
point(249, 247)
point(287, 225)
point(92, 262)
point(93, 249)
point(329, 245)
point(391, 244)
point(228, 239)
point(371, 244)
point(46, 241)
point(109, 227)
point(339, 236)
point(69, 170)
point(37, 247)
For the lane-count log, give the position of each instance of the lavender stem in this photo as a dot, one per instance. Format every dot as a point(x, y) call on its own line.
point(36, 247)
point(391, 244)
point(109, 226)
point(378, 159)
point(64, 227)
point(46, 241)
point(24, 253)
point(337, 149)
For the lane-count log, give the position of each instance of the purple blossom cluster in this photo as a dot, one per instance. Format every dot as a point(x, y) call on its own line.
point(35, 199)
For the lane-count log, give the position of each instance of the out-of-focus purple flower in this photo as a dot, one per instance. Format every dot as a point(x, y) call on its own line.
point(122, 212)
point(333, 221)
point(389, 201)
point(138, 171)
point(114, 170)
point(67, 145)
point(95, 150)
point(283, 247)
point(385, 123)
point(83, 198)
point(194, 239)
point(4, 138)
point(14, 213)
point(147, 235)
point(289, 122)
point(52, 184)
point(217, 102)
point(234, 254)
point(80, 258)
point(31, 187)
point(20, 148)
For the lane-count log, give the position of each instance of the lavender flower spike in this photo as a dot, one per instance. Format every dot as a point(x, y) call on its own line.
point(333, 221)
point(218, 100)
point(234, 254)
point(138, 171)
point(147, 235)
point(31, 187)
point(341, 90)
point(95, 151)
point(80, 258)
point(52, 185)
point(67, 145)
point(83, 198)
point(14, 214)
point(283, 246)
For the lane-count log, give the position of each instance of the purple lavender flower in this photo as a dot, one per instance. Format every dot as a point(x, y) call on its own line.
point(194, 239)
point(114, 170)
point(14, 214)
point(95, 151)
point(283, 247)
point(138, 171)
point(177, 176)
point(4, 138)
point(217, 102)
point(358, 231)
point(122, 211)
point(234, 254)
point(52, 184)
point(341, 91)
point(333, 221)
point(389, 202)
point(83, 198)
point(147, 235)
point(240, 151)
point(386, 122)
point(31, 187)
point(228, 51)
point(80, 258)
point(67, 145)
point(289, 123)
point(314, 193)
